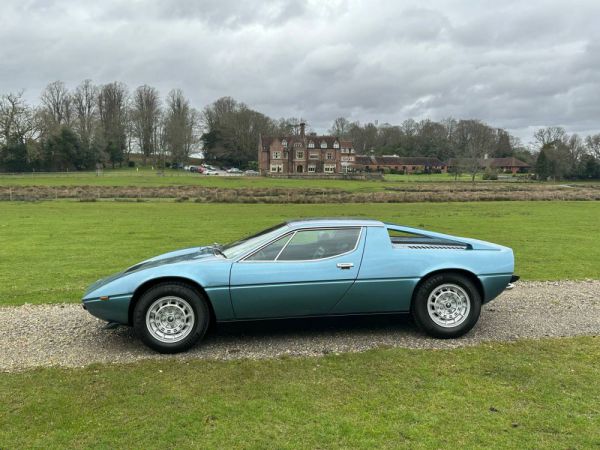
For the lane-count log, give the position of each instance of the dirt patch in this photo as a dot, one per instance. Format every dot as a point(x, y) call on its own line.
point(428, 192)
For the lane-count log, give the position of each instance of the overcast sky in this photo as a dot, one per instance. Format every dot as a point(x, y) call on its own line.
point(515, 64)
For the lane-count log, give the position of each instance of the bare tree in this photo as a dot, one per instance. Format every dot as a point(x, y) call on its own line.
point(181, 127)
point(475, 140)
point(592, 144)
point(146, 117)
point(549, 136)
point(17, 121)
point(85, 100)
point(340, 127)
point(57, 103)
point(112, 111)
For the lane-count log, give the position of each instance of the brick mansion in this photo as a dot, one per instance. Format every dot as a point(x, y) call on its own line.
point(322, 154)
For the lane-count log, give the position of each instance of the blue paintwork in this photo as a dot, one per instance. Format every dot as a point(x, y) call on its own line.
point(382, 279)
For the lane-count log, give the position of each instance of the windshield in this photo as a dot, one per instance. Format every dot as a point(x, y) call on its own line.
point(242, 246)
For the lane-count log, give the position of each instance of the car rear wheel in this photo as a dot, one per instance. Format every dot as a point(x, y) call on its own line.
point(171, 317)
point(446, 305)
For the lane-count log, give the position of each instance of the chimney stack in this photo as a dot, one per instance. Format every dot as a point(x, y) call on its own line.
point(302, 126)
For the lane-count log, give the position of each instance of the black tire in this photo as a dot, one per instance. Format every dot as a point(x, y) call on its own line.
point(420, 308)
point(193, 298)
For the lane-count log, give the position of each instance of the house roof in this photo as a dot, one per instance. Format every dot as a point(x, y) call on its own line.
point(291, 139)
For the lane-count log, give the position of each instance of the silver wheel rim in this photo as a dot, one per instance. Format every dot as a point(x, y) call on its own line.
point(170, 319)
point(448, 305)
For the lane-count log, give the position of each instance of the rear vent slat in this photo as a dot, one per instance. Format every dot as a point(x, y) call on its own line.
point(431, 247)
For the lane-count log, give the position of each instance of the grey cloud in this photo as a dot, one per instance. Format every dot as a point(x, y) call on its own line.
point(514, 64)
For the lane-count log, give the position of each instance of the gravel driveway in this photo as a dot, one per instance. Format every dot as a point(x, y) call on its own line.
point(66, 335)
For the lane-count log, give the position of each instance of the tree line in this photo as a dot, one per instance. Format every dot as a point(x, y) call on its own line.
point(95, 125)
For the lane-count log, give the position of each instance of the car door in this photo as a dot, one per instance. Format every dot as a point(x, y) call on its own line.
point(303, 273)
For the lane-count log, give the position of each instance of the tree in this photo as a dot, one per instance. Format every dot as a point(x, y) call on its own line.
point(62, 151)
point(57, 104)
point(475, 140)
point(340, 127)
point(181, 126)
point(145, 117)
point(85, 101)
point(112, 111)
point(549, 136)
point(592, 144)
point(17, 119)
point(232, 131)
point(542, 166)
point(503, 147)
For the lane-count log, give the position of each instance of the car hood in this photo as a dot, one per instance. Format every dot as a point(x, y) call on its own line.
point(187, 254)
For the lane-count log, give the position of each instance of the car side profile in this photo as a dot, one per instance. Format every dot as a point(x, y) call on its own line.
point(307, 268)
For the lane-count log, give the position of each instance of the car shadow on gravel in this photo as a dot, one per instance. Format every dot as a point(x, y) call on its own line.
point(280, 328)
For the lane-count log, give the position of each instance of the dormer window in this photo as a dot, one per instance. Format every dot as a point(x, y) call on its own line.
point(311, 144)
point(284, 143)
point(336, 144)
point(323, 144)
point(297, 144)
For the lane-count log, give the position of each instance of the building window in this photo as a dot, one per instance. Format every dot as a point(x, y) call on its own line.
point(276, 168)
point(329, 168)
point(284, 143)
point(311, 144)
point(297, 144)
point(313, 155)
point(312, 168)
point(329, 155)
point(299, 154)
point(323, 144)
point(345, 150)
point(276, 155)
point(351, 150)
point(336, 144)
point(347, 158)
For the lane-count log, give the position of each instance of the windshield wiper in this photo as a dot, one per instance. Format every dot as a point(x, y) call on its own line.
point(216, 248)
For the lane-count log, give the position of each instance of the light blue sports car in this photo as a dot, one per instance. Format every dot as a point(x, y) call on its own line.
point(307, 268)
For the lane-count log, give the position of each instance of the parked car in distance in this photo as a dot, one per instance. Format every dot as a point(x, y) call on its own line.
point(306, 268)
point(193, 169)
point(234, 170)
point(211, 172)
point(251, 172)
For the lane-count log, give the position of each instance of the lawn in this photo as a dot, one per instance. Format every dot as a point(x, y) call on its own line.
point(50, 251)
point(169, 177)
point(528, 394)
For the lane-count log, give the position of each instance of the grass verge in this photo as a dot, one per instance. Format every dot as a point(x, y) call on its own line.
point(50, 251)
point(529, 394)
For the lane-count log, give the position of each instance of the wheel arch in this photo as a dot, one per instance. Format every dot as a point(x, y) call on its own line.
point(466, 273)
point(142, 288)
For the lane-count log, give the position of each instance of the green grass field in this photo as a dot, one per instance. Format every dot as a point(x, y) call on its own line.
point(50, 251)
point(150, 178)
point(529, 394)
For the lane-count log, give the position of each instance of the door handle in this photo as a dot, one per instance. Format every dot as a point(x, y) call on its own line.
point(345, 265)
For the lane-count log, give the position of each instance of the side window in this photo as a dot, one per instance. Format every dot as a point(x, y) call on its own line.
point(270, 252)
point(317, 244)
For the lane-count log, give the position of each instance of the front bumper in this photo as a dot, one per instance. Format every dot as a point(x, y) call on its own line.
point(115, 309)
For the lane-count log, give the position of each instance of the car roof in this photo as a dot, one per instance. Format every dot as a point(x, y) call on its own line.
point(333, 222)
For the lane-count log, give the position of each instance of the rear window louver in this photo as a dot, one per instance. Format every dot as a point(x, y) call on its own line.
point(432, 246)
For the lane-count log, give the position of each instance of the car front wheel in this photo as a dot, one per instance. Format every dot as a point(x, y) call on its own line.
point(171, 317)
point(447, 305)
